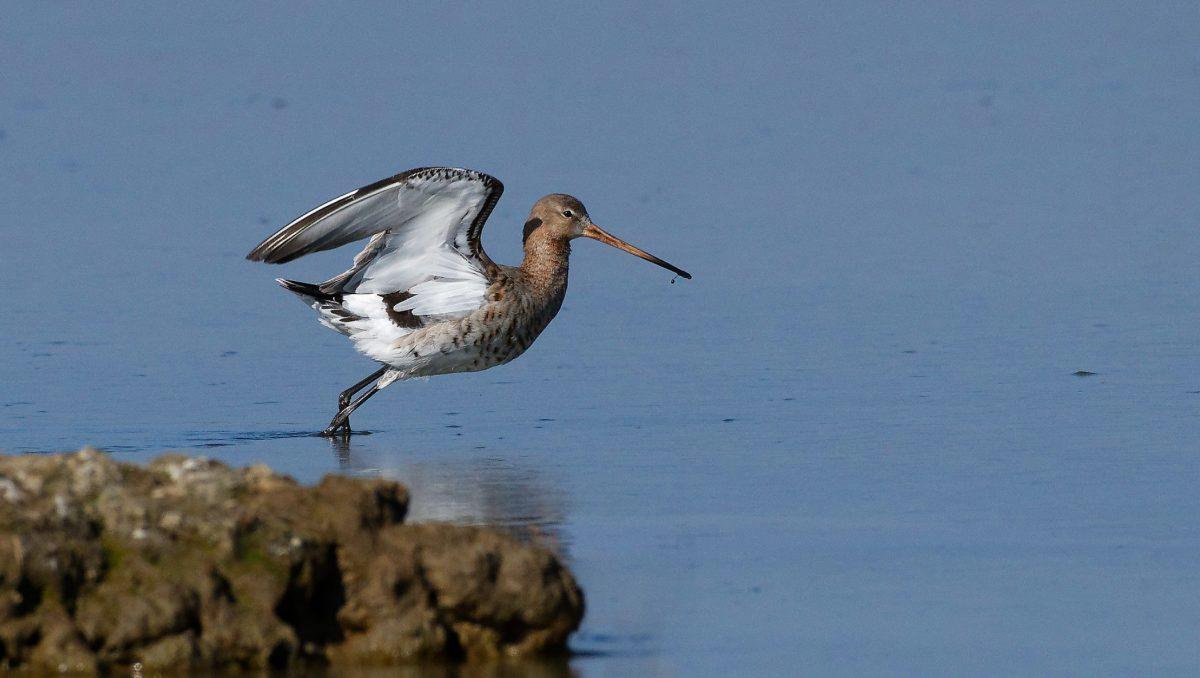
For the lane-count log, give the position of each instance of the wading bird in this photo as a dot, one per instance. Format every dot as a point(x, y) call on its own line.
point(423, 298)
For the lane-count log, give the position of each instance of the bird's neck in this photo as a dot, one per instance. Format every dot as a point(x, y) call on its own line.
point(545, 264)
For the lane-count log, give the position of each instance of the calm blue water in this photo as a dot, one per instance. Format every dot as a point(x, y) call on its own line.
point(854, 444)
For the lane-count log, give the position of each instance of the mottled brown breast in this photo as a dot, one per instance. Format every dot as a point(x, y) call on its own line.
point(515, 315)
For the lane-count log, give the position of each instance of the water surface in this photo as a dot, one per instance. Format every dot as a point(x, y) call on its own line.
point(854, 443)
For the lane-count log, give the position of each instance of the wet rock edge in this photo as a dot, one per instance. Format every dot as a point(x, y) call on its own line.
point(187, 563)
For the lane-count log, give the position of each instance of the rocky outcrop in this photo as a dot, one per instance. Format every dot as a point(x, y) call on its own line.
point(187, 563)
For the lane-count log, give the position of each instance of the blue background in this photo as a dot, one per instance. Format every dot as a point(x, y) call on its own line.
point(853, 444)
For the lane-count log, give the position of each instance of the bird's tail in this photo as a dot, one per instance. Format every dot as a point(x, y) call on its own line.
point(307, 291)
point(330, 311)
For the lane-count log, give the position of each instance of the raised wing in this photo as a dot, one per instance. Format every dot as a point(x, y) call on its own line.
point(425, 226)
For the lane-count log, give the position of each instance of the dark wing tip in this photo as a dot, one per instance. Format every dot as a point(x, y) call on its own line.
point(262, 253)
point(268, 250)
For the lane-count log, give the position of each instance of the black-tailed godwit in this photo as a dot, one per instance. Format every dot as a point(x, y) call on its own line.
point(423, 298)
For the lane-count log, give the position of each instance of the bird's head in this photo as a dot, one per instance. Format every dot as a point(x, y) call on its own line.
point(563, 218)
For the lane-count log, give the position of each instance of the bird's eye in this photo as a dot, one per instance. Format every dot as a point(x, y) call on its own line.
point(568, 213)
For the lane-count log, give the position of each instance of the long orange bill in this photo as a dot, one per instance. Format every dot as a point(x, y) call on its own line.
point(596, 233)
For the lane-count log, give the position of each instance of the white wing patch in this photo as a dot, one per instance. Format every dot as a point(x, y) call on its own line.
point(364, 319)
point(426, 225)
point(423, 242)
point(442, 297)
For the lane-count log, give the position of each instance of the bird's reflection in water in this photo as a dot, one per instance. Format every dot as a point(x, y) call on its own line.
point(478, 490)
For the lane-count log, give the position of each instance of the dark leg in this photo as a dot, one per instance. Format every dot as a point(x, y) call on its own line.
point(342, 420)
point(344, 398)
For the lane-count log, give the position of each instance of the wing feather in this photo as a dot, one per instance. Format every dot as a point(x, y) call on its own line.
point(425, 227)
point(403, 203)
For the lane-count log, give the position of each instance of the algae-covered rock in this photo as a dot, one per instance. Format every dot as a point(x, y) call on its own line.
point(187, 563)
